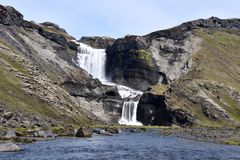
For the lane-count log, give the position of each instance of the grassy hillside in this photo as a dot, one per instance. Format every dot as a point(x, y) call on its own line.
point(210, 91)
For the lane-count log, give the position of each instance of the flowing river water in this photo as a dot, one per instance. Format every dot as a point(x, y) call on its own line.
point(125, 146)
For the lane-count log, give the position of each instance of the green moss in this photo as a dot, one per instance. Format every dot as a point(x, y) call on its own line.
point(143, 55)
point(6, 44)
point(22, 131)
point(232, 142)
point(54, 30)
point(146, 56)
point(159, 89)
point(58, 129)
point(11, 61)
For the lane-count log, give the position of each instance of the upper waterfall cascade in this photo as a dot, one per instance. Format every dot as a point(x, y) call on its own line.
point(94, 62)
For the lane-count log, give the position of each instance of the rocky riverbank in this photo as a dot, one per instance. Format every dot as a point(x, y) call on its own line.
point(12, 140)
point(229, 136)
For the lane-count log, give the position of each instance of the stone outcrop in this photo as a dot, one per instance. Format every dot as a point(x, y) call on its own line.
point(98, 42)
point(10, 16)
point(83, 132)
point(181, 57)
point(152, 110)
point(161, 56)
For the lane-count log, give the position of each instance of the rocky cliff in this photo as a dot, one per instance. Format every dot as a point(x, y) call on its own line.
point(190, 72)
point(190, 75)
point(98, 42)
point(40, 81)
point(161, 56)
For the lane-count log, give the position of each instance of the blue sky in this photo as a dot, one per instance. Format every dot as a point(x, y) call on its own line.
point(116, 18)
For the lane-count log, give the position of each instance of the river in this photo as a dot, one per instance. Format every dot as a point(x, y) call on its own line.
point(133, 146)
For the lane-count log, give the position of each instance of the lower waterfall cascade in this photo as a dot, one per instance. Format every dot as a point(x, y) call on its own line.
point(129, 114)
point(93, 61)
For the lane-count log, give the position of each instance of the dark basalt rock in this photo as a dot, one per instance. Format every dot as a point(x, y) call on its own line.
point(152, 110)
point(182, 117)
point(98, 42)
point(215, 22)
point(91, 89)
point(126, 65)
point(53, 36)
point(53, 25)
point(130, 64)
point(10, 16)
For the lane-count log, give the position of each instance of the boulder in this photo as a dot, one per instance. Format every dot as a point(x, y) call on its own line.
point(26, 123)
point(105, 133)
point(49, 133)
point(9, 147)
point(113, 130)
point(1, 109)
point(83, 132)
point(8, 115)
point(39, 134)
point(10, 134)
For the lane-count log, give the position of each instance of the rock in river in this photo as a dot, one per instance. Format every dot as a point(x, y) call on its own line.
point(83, 132)
point(9, 147)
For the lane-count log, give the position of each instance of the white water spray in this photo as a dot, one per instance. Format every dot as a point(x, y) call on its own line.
point(94, 61)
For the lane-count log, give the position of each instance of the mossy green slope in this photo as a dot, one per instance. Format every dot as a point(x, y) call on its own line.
point(216, 74)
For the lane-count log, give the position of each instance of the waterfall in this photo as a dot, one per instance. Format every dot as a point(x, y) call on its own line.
point(129, 114)
point(93, 61)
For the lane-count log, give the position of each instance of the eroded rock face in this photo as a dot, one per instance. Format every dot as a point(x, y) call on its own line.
point(129, 63)
point(152, 110)
point(140, 62)
point(98, 42)
point(193, 102)
point(10, 16)
point(159, 57)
